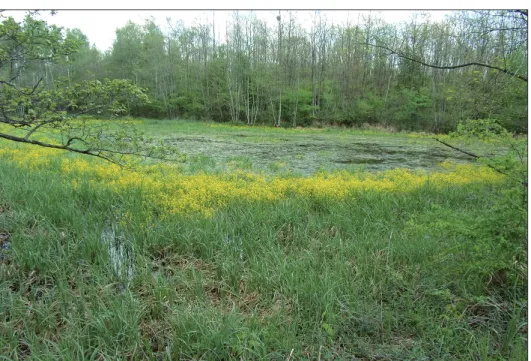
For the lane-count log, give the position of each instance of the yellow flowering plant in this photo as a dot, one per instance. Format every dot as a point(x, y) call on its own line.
point(164, 186)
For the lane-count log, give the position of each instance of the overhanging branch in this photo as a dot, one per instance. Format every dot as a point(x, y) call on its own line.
point(56, 146)
point(477, 157)
point(521, 77)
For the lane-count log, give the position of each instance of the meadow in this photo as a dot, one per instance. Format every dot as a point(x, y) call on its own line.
point(263, 243)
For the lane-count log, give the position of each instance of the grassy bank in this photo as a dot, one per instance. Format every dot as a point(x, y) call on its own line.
point(175, 262)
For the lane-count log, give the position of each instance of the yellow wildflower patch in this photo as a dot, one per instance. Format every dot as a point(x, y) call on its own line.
point(165, 187)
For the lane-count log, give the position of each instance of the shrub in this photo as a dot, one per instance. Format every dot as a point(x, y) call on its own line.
point(480, 128)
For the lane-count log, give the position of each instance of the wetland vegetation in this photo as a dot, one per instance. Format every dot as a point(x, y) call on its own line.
point(240, 235)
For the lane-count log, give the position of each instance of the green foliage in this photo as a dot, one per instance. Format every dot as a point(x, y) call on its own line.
point(111, 96)
point(503, 229)
point(297, 104)
point(347, 70)
point(483, 129)
point(368, 109)
point(409, 108)
point(39, 106)
point(36, 39)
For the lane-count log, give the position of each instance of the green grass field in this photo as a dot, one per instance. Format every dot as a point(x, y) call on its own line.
point(311, 255)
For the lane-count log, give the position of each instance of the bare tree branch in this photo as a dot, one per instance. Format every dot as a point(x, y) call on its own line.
point(391, 51)
point(475, 156)
point(32, 130)
point(56, 146)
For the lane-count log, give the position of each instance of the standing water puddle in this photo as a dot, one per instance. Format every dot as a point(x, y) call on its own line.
point(120, 252)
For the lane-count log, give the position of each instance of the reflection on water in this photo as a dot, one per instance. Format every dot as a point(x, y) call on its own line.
point(120, 252)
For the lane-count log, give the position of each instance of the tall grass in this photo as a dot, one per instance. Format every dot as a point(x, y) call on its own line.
point(392, 275)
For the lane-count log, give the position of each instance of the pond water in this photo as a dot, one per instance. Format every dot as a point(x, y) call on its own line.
point(305, 154)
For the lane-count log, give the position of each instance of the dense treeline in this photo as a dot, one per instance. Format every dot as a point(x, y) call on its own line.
point(349, 74)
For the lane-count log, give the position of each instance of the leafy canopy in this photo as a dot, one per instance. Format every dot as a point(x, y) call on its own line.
point(31, 104)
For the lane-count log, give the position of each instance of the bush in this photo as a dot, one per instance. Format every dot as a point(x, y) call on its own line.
point(153, 109)
point(503, 232)
point(480, 128)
